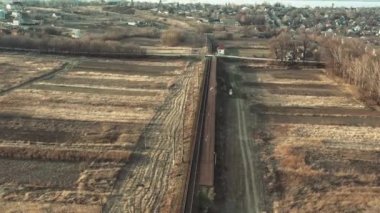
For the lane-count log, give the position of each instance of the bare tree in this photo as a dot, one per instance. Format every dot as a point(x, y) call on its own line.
point(280, 45)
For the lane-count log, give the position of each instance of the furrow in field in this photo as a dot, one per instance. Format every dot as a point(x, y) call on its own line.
point(144, 189)
point(76, 112)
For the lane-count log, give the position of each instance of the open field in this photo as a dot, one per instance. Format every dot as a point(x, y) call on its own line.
point(100, 135)
point(248, 48)
point(302, 136)
point(16, 69)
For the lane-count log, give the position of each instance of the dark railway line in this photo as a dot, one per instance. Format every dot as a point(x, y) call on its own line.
point(202, 150)
point(189, 200)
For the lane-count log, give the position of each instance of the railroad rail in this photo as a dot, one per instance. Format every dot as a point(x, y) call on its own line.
point(189, 200)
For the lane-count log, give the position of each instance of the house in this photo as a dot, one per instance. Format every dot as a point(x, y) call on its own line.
point(357, 28)
point(55, 16)
point(16, 22)
point(220, 49)
point(132, 23)
point(202, 20)
point(15, 14)
point(75, 33)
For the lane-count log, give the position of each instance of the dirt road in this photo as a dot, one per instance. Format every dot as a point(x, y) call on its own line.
point(241, 184)
point(250, 184)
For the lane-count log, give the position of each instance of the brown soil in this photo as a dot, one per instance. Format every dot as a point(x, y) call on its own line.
point(298, 91)
point(257, 108)
point(289, 86)
point(97, 129)
point(40, 174)
point(317, 144)
point(320, 119)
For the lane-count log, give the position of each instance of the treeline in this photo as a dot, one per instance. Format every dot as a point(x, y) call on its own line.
point(355, 62)
point(120, 34)
point(295, 46)
point(172, 37)
point(249, 18)
point(178, 37)
point(55, 44)
point(120, 9)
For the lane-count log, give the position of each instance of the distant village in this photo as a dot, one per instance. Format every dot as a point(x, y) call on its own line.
point(14, 14)
point(345, 21)
point(263, 19)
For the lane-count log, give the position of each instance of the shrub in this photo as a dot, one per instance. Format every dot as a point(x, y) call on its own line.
point(194, 39)
point(223, 35)
point(120, 34)
point(249, 31)
point(204, 28)
point(85, 45)
point(172, 37)
point(52, 31)
point(219, 28)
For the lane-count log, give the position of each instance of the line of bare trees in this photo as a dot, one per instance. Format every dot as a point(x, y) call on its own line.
point(55, 44)
point(355, 62)
point(180, 37)
point(120, 34)
point(294, 46)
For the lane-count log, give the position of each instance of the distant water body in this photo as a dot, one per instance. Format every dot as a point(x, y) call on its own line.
point(295, 3)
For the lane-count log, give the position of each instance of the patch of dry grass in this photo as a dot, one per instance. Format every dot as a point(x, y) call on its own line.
point(62, 154)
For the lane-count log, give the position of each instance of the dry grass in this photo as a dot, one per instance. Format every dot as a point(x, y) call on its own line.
point(35, 207)
point(16, 69)
point(223, 35)
point(307, 189)
point(120, 34)
point(289, 158)
point(94, 114)
point(172, 37)
point(340, 200)
point(314, 164)
point(62, 154)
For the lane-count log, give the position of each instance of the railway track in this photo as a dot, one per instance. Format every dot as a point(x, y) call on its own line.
point(189, 201)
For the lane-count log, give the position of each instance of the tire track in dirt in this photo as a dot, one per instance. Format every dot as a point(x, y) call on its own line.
point(143, 183)
point(248, 195)
point(248, 158)
point(251, 159)
point(251, 183)
point(170, 137)
point(175, 124)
